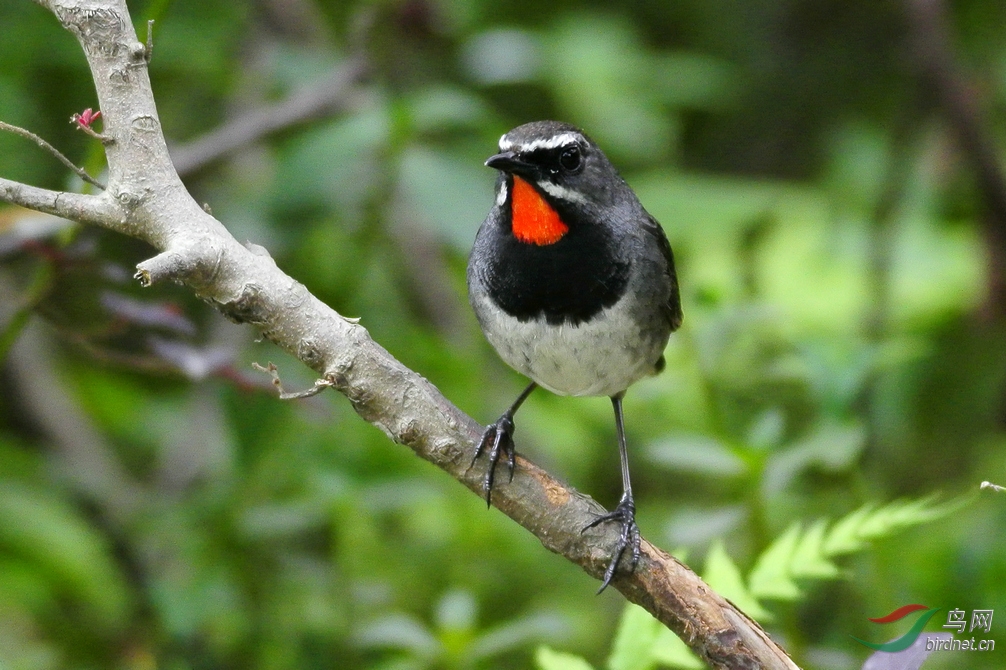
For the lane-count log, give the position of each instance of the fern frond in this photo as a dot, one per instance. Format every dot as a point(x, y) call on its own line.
point(800, 554)
point(642, 643)
point(772, 575)
point(843, 538)
point(547, 658)
point(809, 560)
point(869, 522)
point(723, 575)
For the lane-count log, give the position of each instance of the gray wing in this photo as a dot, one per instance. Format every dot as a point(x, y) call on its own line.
point(673, 306)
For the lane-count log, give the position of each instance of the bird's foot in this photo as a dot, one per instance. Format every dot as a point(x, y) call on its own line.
point(625, 514)
point(497, 439)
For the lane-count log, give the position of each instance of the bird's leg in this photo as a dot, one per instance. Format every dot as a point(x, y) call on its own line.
point(498, 438)
point(625, 511)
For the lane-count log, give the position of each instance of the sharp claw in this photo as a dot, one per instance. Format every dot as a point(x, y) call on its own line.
point(494, 454)
point(624, 513)
point(498, 437)
point(610, 570)
point(597, 520)
point(480, 447)
point(512, 461)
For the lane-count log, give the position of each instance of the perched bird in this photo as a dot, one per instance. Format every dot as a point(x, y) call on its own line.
point(573, 284)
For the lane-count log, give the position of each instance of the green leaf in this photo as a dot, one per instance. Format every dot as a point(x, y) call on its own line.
point(843, 538)
point(831, 447)
point(503, 55)
point(722, 574)
point(598, 73)
point(642, 642)
point(436, 108)
point(805, 555)
point(448, 194)
point(336, 163)
point(398, 631)
point(808, 558)
point(636, 634)
point(771, 575)
point(669, 650)
point(699, 454)
point(691, 526)
point(457, 610)
point(897, 515)
point(548, 659)
point(72, 556)
point(693, 80)
point(868, 522)
point(935, 268)
point(516, 633)
point(767, 430)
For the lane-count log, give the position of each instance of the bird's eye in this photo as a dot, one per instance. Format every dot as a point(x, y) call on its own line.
point(570, 158)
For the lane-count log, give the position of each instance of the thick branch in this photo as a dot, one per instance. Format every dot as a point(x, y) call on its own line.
point(148, 201)
point(93, 209)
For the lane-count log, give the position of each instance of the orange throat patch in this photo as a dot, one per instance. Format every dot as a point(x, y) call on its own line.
point(532, 219)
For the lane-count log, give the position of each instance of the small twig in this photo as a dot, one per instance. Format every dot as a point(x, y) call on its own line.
point(80, 172)
point(994, 487)
point(83, 122)
point(149, 52)
point(319, 385)
point(87, 130)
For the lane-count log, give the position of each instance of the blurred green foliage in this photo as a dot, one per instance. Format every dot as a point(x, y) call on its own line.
point(844, 345)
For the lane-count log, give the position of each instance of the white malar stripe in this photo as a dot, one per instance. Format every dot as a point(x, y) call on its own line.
point(561, 192)
point(501, 194)
point(544, 143)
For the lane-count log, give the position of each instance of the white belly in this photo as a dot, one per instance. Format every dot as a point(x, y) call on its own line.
point(602, 357)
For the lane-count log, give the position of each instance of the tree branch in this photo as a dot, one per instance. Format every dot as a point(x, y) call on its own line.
point(27, 134)
point(332, 94)
point(146, 199)
point(93, 209)
point(930, 36)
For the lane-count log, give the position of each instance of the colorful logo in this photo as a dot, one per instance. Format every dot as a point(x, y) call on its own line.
point(909, 638)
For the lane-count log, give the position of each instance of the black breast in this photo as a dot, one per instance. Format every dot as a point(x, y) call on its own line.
point(566, 282)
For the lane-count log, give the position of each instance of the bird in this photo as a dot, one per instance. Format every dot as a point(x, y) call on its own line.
point(573, 284)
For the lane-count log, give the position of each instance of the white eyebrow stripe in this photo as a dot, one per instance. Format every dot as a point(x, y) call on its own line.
point(561, 192)
point(544, 143)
